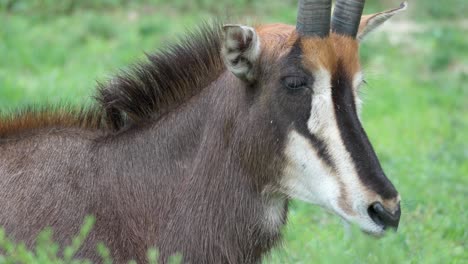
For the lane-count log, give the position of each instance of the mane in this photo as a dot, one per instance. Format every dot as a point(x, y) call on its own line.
point(33, 118)
point(169, 77)
point(148, 89)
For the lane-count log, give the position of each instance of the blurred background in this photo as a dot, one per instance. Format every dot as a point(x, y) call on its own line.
point(415, 111)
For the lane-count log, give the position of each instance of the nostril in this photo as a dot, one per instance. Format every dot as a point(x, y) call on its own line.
point(382, 217)
point(375, 215)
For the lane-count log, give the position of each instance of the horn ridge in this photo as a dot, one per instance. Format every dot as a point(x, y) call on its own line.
point(313, 18)
point(346, 17)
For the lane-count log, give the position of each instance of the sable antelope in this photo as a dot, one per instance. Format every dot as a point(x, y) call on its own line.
point(199, 150)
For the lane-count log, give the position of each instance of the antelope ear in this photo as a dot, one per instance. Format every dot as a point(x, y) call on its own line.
point(371, 22)
point(240, 51)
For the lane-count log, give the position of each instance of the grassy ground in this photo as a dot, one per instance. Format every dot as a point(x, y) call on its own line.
point(415, 113)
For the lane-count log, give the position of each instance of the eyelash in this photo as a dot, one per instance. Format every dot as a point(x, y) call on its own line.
point(294, 83)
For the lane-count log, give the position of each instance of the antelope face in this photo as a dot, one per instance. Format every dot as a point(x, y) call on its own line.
point(311, 89)
point(330, 161)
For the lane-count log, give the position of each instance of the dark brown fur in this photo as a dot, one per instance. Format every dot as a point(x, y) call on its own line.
point(172, 160)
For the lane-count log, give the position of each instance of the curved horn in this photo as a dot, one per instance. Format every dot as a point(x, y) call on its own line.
point(313, 18)
point(346, 17)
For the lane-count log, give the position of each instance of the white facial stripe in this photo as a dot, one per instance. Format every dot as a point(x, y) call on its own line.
point(323, 113)
point(357, 81)
point(307, 177)
point(321, 102)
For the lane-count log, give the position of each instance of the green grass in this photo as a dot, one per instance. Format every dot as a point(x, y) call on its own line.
point(47, 251)
point(415, 112)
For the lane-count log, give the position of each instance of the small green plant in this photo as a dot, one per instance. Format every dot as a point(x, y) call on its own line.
point(47, 251)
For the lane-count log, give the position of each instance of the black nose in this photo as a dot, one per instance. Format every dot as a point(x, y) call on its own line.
point(383, 217)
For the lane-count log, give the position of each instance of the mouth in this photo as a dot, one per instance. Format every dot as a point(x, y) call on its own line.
point(371, 229)
point(366, 224)
point(377, 234)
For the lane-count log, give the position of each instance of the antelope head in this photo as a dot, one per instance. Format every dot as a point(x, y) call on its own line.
point(308, 78)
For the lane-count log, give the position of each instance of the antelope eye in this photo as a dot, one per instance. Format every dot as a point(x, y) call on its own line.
point(294, 82)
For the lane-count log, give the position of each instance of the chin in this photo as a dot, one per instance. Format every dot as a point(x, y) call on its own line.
point(367, 226)
point(377, 233)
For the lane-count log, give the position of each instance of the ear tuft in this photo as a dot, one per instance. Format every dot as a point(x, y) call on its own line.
point(241, 49)
point(371, 22)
